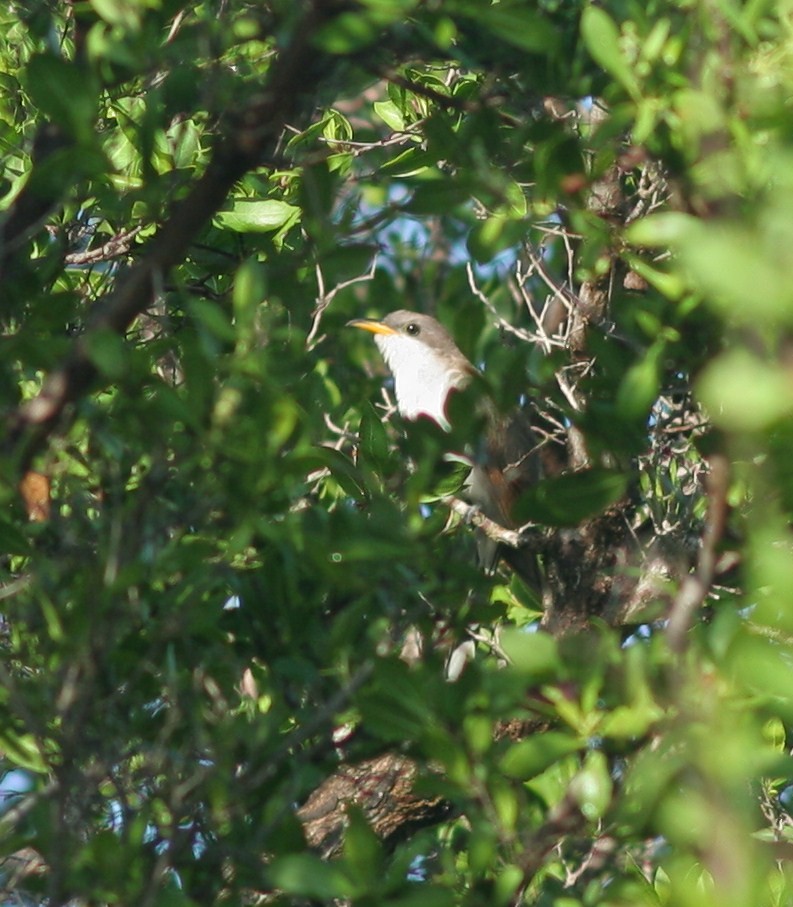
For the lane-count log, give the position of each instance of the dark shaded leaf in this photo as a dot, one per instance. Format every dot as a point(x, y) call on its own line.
point(569, 499)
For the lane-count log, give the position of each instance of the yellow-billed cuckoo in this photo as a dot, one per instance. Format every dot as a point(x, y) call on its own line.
point(427, 367)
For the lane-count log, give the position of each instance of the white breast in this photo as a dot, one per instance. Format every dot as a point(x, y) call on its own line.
point(422, 379)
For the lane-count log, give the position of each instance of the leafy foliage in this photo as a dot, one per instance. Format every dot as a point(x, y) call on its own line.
point(220, 549)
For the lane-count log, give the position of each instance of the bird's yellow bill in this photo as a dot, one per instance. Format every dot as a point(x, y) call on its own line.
point(375, 327)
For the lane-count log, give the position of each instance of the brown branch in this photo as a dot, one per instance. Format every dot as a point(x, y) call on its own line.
point(295, 73)
point(383, 789)
point(33, 205)
point(564, 819)
point(694, 589)
point(424, 91)
point(325, 298)
point(512, 538)
point(117, 245)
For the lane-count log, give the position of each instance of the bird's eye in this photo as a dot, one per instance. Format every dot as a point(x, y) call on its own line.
point(412, 328)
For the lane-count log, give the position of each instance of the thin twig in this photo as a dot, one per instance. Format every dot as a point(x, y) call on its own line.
point(512, 538)
point(489, 640)
point(694, 589)
point(27, 803)
point(117, 245)
point(501, 323)
point(324, 299)
point(8, 590)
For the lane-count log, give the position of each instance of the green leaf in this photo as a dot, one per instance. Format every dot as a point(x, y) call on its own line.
point(569, 499)
point(363, 852)
point(250, 288)
point(374, 444)
point(185, 141)
point(351, 31)
point(390, 114)
point(308, 876)
point(628, 722)
point(65, 92)
point(426, 894)
point(125, 14)
point(413, 162)
point(528, 758)
point(602, 40)
point(745, 393)
point(212, 316)
point(22, 750)
point(453, 473)
point(660, 229)
point(395, 706)
point(732, 262)
point(493, 235)
point(533, 654)
point(670, 284)
point(439, 196)
point(12, 541)
point(109, 353)
point(592, 787)
point(640, 385)
point(341, 467)
point(249, 216)
point(347, 33)
point(517, 25)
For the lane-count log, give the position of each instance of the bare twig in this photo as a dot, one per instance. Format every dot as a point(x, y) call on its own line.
point(501, 323)
point(512, 538)
point(601, 850)
point(437, 97)
point(564, 819)
point(8, 590)
point(694, 589)
point(117, 245)
point(489, 639)
point(402, 137)
point(27, 803)
point(324, 299)
point(178, 20)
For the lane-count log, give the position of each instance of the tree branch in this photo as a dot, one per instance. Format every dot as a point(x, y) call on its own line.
point(254, 136)
point(119, 244)
point(694, 589)
point(512, 538)
point(33, 204)
point(382, 788)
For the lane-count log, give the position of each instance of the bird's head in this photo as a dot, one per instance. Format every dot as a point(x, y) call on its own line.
point(423, 358)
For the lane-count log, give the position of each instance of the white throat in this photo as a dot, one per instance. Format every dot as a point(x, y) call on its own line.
point(422, 378)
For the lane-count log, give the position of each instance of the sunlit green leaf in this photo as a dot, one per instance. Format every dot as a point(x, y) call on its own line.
point(389, 113)
point(124, 13)
point(593, 786)
point(534, 654)
point(527, 758)
point(306, 875)
point(743, 393)
point(639, 388)
point(22, 750)
point(249, 216)
point(602, 39)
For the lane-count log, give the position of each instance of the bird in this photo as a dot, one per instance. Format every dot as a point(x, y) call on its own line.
point(428, 368)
